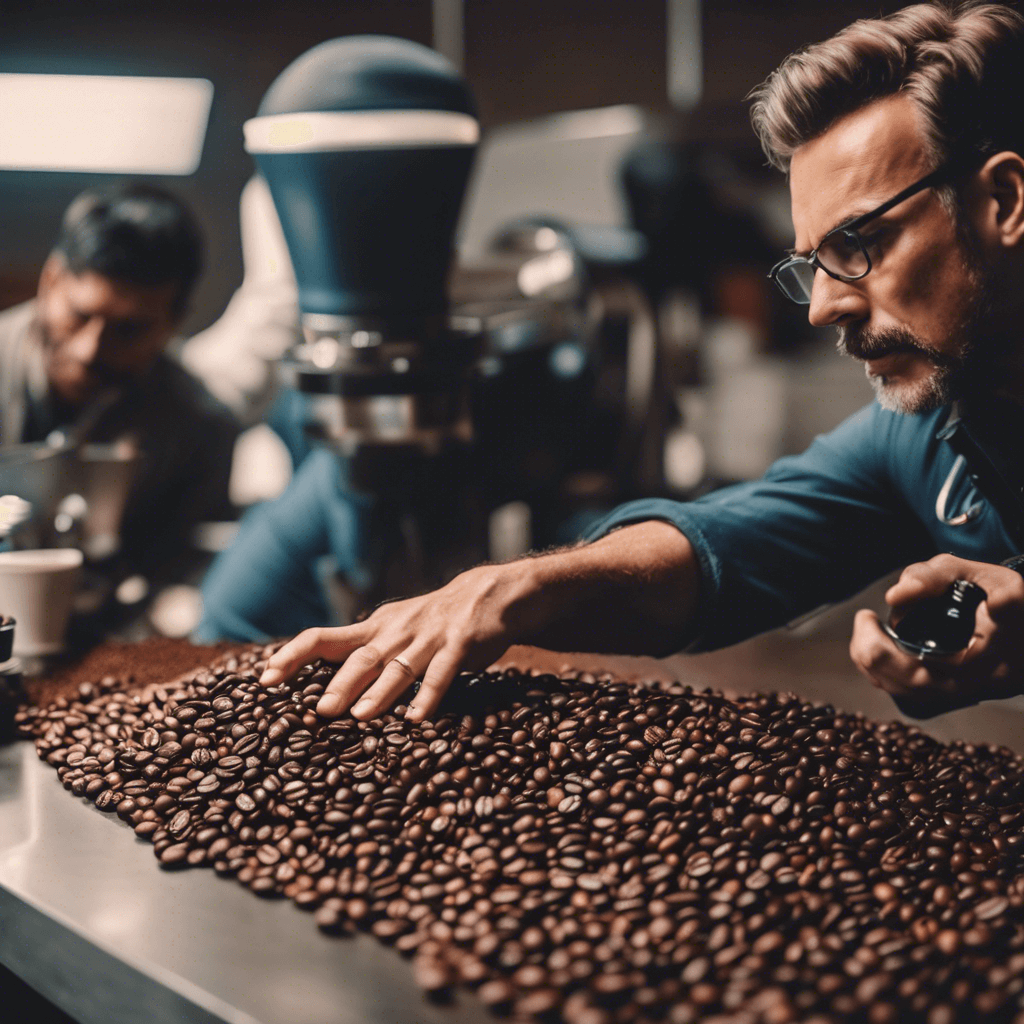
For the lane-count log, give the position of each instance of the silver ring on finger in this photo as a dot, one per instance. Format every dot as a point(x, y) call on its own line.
point(405, 664)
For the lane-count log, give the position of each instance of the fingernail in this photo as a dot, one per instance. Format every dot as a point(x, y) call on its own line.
point(329, 706)
point(271, 676)
point(362, 707)
point(414, 714)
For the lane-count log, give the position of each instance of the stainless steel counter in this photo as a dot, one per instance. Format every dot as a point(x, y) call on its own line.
point(89, 919)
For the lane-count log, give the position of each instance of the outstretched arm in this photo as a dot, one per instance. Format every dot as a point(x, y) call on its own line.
point(633, 590)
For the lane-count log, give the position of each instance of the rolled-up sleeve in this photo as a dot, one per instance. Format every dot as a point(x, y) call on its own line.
point(815, 529)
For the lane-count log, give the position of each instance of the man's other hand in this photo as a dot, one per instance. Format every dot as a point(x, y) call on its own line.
point(992, 665)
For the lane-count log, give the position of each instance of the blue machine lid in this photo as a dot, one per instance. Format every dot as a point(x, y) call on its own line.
point(368, 73)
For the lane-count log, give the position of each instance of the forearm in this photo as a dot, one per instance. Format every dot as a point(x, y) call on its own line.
point(631, 592)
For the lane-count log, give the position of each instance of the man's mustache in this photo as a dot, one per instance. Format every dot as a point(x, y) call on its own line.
point(866, 345)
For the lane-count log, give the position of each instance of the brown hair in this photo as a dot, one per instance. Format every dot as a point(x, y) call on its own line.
point(961, 64)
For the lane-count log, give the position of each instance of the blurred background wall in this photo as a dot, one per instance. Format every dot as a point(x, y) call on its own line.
point(524, 59)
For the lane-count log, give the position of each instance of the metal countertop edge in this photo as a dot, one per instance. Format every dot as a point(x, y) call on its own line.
point(40, 918)
point(60, 953)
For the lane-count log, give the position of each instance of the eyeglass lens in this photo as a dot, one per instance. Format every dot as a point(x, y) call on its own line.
point(796, 280)
point(840, 253)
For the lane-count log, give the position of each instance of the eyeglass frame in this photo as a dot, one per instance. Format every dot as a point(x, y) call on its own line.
point(940, 175)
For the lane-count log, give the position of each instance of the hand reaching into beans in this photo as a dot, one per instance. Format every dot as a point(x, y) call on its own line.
point(635, 585)
point(992, 665)
point(467, 624)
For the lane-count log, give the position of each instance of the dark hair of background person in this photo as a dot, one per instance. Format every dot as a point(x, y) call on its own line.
point(962, 64)
point(134, 233)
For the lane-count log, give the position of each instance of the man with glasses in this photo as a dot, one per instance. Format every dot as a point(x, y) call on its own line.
point(904, 147)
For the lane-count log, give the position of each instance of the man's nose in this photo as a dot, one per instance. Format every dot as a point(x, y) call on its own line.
point(835, 302)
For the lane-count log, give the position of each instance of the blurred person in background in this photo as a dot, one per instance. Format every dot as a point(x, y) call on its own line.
point(86, 358)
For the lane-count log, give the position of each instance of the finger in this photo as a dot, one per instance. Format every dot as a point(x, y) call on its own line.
point(980, 644)
point(398, 675)
point(332, 643)
point(438, 677)
point(926, 579)
point(362, 667)
point(877, 657)
point(1004, 598)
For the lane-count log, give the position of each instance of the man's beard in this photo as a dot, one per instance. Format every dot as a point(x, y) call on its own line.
point(955, 367)
point(941, 386)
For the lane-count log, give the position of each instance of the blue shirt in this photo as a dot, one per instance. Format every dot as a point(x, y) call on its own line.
point(269, 582)
point(880, 491)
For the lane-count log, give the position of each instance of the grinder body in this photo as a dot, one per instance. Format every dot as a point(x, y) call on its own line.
point(366, 143)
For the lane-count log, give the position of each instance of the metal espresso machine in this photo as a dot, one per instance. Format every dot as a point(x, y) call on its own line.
point(445, 391)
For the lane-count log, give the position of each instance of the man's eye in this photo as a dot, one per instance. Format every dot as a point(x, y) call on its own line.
point(873, 241)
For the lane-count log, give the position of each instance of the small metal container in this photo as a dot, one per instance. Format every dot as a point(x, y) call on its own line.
point(6, 638)
point(12, 696)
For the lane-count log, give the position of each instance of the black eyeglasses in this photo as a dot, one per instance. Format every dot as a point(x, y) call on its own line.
point(842, 253)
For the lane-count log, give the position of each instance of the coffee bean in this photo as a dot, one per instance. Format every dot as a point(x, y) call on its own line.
point(268, 855)
point(174, 855)
point(989, 909)
point(264, 886)
point(180, 823)
point(246, 745)
point(431, 975)
point(538, 1003)
point(570, 804)
point(496, 993)
point(741, 783)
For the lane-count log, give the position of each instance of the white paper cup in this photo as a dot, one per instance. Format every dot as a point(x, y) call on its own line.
point(37, 588)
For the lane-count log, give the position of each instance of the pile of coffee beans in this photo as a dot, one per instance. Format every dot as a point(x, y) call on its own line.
point(586, 850)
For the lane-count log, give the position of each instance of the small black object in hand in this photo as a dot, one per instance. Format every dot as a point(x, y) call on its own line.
point(938, 627)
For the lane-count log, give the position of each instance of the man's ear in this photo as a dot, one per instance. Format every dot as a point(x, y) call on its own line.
point(999, 193)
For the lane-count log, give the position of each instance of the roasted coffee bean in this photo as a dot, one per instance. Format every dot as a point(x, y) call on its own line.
point(180, 823)
point(496, 993)
point(247, 744)
point(174, 854)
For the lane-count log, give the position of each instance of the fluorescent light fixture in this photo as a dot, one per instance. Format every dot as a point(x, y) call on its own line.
point(102, 123)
